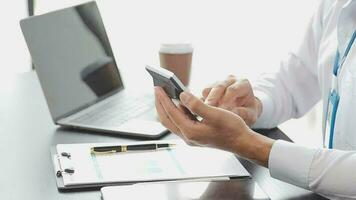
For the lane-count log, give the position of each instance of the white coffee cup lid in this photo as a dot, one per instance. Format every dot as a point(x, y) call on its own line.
point(176, 48)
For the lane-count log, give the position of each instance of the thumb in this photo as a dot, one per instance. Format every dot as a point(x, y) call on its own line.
point(198, 107)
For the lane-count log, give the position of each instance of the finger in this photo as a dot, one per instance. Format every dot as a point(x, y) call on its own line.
point(198, 107)
point(175, 115)
point(164, 119)
point(206, 92)
point(218, 91)
point(237, 91)
point(190, 130)
point(186, 111)
point(215, 94)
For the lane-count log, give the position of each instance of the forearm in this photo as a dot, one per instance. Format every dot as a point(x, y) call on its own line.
point(324, 171)
point(254, 146)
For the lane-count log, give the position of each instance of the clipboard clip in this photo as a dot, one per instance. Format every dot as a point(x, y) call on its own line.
point(59, 173)
point(58, 166)
point(65, 154)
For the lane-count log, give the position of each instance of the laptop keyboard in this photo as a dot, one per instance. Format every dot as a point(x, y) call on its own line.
point(117, 110)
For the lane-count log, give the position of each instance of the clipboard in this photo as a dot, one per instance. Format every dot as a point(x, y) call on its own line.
point(64, 166)
point(246, 189)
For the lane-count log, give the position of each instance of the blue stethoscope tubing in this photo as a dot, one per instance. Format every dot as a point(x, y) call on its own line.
point(334, 97)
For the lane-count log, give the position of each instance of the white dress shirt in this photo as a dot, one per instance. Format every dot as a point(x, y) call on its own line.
point(303, 79)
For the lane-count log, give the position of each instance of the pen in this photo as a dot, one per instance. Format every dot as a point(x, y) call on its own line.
point(125, 148)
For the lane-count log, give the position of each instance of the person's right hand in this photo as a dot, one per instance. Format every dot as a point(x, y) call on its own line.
point(236, 96)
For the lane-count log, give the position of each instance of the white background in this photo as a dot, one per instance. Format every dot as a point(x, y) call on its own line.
point(243, 37)
point(238, 37)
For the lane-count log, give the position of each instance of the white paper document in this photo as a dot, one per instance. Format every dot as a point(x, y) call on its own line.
point(178, 163)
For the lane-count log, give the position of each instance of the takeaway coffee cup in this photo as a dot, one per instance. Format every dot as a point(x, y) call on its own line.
point(177, 58)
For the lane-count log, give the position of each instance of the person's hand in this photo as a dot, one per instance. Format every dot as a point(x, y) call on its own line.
point(219, 128)
point(236, 96)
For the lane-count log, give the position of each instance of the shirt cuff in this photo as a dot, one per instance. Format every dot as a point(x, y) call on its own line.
point(264, 121)
point(291, 163)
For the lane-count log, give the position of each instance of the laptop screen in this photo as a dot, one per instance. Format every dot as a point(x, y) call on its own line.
point(72, 57)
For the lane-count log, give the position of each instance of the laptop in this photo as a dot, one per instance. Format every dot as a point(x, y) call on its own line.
point(79, 77)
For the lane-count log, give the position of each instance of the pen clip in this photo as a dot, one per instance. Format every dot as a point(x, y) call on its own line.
point(92, 151)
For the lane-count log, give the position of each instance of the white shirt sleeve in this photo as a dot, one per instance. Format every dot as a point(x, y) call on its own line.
point(327, 172)
point(291, 92)
point(294, 89)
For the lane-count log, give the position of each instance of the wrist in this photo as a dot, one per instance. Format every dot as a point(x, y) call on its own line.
point(255, 147)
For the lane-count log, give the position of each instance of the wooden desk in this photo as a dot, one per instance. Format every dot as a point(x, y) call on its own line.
point(27, 133)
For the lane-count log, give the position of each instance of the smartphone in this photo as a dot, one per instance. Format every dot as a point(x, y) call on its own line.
point(171, 85)
point(167, 80)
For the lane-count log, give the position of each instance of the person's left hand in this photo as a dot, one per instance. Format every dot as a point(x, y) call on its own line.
point(219, 128)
